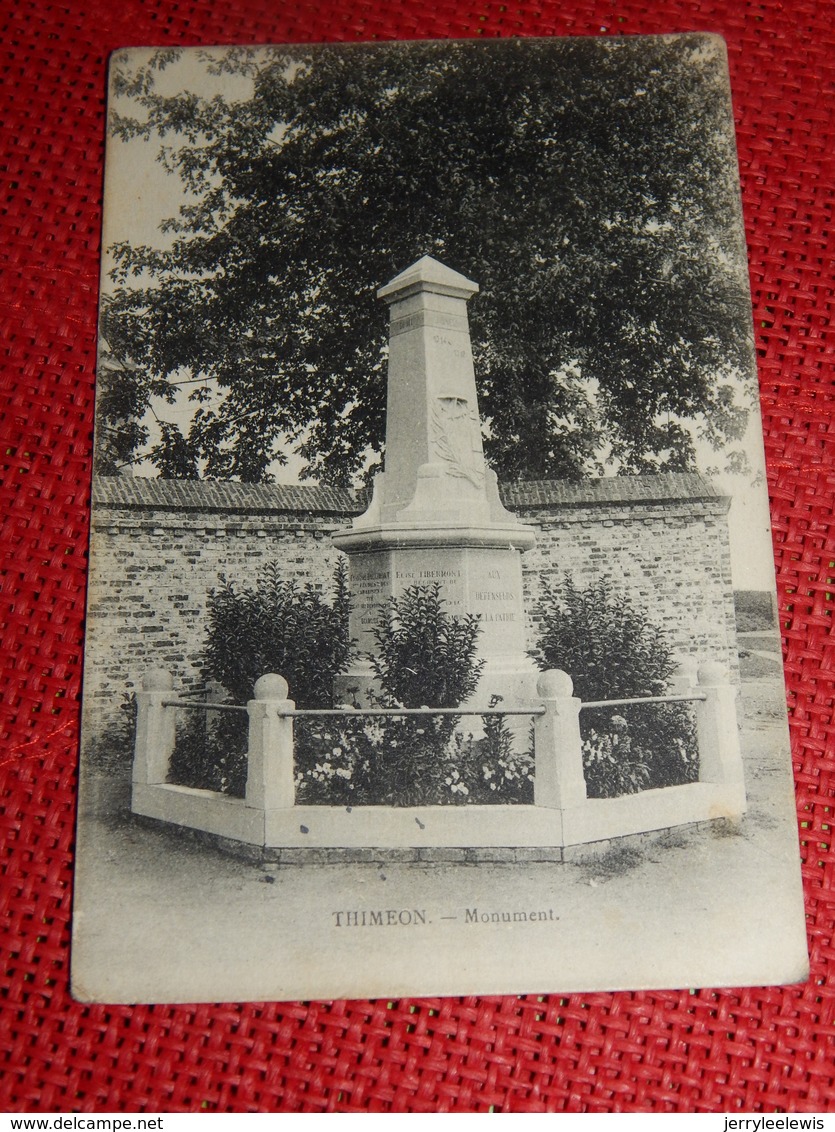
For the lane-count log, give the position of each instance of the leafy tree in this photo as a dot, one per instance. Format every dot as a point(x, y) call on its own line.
point(122, 398)
point(586, 185)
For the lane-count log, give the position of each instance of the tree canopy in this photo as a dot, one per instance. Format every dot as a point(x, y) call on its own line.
point(588, 186)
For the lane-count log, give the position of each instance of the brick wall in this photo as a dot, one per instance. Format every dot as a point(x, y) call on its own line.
point(158, 547)
point(663, 539)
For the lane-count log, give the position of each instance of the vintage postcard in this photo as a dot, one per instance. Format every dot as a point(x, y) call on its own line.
point(432, 643)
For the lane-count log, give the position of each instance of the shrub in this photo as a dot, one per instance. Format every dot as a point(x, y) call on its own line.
point(503, 773)
point(610, 765)
point(210, 752)
point(274, 626)
point(612, 650)
point(425, 656)
point(609, 647)
point(278, 626)
point(112, 749)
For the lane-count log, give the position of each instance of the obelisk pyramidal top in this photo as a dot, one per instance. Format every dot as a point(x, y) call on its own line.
point(432, 423)
point(435, 517)
point(435, 475)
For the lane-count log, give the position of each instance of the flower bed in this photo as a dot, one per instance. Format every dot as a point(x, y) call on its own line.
point(409, 761)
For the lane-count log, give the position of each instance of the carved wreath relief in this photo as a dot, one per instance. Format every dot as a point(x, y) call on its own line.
point(456, 438)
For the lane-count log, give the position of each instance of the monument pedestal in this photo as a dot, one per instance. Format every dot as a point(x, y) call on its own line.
point(483, 580)
point(435, 515)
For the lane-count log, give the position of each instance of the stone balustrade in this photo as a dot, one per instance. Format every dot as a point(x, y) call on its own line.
point(562, 814)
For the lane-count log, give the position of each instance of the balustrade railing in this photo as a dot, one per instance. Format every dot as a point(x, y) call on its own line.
point(559, 781)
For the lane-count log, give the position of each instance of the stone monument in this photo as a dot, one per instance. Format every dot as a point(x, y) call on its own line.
point(435, 513)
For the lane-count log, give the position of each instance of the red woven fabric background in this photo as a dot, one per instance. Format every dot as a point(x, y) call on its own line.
point(755, 1049)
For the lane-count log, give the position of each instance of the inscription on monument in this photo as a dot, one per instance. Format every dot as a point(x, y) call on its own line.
point(421, 318)
point(495, 596)
point(371, 587)
point(420, 568)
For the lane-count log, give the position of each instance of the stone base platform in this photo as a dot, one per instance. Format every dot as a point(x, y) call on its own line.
point(492, 830)
point(275, 860)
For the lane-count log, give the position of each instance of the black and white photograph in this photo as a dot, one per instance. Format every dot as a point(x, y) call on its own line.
point(432, 641)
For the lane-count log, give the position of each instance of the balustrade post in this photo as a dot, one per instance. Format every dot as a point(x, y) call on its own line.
point(685, 677)
point(720, 759)
point(269, 779)
point(155, 729)
point(559, 781)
